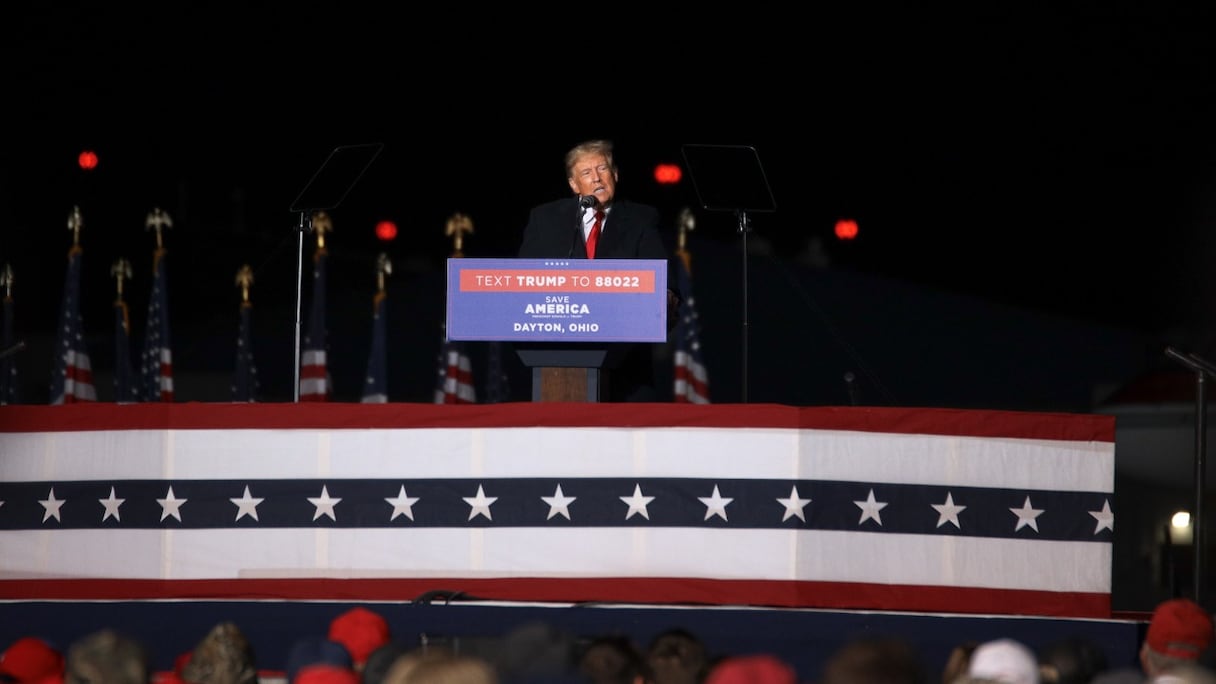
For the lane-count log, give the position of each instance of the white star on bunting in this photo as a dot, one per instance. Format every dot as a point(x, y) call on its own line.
point(1105, 518)
point(637, 503)
point(170, 506)
point(559, 504)
point(794, 505)
point(111, 505)
point(246, 505)
point(325, 505)
point(52, 505)
point(870, 508)
point(1027, 516)
point(480, 504)
point(715, 504)
point(403, 504)
point(948, 512)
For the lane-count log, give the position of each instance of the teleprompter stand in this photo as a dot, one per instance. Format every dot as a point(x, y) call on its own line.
point(326, 189)
point(730, 178)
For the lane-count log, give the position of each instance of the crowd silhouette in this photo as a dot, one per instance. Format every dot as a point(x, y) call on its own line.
point(360, 648)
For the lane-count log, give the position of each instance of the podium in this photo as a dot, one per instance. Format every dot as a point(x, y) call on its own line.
point(570, 321)
point(569, 372)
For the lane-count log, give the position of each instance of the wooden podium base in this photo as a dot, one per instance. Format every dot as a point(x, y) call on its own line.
point(565, 384)
point(566, 372)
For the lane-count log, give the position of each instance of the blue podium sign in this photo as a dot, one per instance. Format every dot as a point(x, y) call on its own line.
point(557, 300)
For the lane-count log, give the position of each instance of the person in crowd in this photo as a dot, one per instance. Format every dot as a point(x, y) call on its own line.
point(1072, 660)
point(381, 660)
point(1187, 673)
point(443, 668)
point(223, 656)
point(612, 659)
point(1179, 635)
point(596, 223)
point(874, 660)
point(107, 656)
point(318, 651)
point(958, 661)
point(1004, 660)
point(677, 656)
point(31, 659)
point(361, 631)
point(758, 668)
point(1180, 632)
point(326, 674)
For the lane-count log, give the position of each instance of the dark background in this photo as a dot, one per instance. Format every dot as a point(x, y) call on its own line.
point(1019, 178)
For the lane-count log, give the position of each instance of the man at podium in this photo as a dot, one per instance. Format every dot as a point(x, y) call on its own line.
point(596, 224)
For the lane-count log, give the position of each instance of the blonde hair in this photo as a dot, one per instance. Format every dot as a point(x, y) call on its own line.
point(440, 668)
point(603, 147)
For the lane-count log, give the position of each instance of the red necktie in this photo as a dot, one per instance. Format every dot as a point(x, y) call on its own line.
point(594, 237)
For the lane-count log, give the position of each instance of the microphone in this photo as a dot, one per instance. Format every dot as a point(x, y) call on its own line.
point(587, 201)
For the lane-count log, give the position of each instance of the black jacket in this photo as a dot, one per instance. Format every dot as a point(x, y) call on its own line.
point(631, 231)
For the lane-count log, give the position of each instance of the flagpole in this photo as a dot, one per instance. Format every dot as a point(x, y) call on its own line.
point(304, 226)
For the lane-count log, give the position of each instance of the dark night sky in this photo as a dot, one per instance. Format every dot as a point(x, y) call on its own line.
point(1061, 163)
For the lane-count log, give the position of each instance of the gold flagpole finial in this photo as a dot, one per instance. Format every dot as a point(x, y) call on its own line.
point(75, 223)
point(158, 220)
point(244, 279)
point(321, 224)
point(121, 270)
point(6, 280)
point(457, 226)
point(384, 267)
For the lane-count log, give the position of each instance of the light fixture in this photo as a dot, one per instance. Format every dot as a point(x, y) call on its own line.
point(1181, 531)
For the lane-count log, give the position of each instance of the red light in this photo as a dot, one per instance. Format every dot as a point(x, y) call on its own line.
point(386, 231)
point(668, 174)
point(87, 160)
point(846, 229)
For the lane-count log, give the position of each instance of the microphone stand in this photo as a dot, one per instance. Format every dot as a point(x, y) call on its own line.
point(1203, 370)
point(328, 186)
point(730, 178)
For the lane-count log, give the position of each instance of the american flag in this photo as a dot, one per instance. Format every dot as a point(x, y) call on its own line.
point(691, 382)
point(455, 369)
point(375, 384)
point(455, 382)
point(72, 376)
point(245, 379)
point(8, 346)
point(314, 370)
point(157, 369)
point(125, 388)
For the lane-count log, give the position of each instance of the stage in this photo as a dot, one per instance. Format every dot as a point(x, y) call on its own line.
point(755, 524)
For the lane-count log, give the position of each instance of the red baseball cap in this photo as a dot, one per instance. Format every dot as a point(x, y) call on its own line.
point(752, 669)
point(361, 631)
point(1180, 628)
point(326, 674)
point(30, 659)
